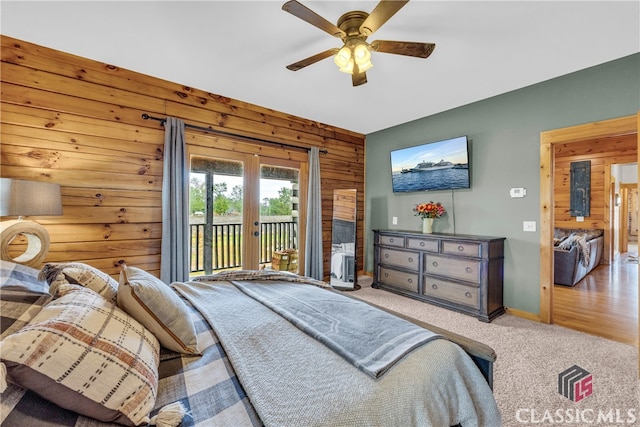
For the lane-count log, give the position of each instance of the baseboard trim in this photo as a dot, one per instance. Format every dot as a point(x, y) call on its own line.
point(523, 314)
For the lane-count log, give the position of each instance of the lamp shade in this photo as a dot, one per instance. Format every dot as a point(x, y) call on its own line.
point(343, 57)
point(21, 198)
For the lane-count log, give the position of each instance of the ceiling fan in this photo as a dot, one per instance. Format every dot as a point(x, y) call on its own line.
point(353, 28)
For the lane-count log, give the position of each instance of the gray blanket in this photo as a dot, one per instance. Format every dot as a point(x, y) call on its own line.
point(292, 379)
point(370, 339)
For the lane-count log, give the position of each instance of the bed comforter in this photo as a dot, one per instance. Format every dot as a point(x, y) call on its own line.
point(288, 377)
point(436, 384)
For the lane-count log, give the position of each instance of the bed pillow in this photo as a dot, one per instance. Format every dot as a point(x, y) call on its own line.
point(85, 354)
point(154, 304)
point(78, 273)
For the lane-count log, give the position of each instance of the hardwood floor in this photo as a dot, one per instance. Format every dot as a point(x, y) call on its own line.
point(604, 303)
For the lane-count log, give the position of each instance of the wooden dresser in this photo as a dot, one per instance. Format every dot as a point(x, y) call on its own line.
point(455, 271)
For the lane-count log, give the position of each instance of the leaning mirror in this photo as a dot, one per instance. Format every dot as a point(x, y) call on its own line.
point(343, 241)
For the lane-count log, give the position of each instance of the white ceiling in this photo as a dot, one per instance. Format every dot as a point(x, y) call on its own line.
point(239, 49)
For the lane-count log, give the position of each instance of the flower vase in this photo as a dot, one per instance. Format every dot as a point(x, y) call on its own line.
point(427, 225)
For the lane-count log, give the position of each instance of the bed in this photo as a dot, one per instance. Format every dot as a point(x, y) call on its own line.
point(249, 348)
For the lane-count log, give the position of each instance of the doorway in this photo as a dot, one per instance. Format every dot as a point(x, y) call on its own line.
point(244, 208)
point(627, 218)
point(608, 128)
point(605, 302)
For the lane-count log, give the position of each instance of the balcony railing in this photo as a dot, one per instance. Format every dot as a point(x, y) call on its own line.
point(219, 246)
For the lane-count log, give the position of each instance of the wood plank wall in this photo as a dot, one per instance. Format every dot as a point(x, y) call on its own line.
point(602, 152)
point(77, 122)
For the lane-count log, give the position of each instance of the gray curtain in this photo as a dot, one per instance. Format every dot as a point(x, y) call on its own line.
point(174, 260)
point(313, 248)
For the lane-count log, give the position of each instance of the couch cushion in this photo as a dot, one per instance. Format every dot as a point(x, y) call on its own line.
point(578, 240)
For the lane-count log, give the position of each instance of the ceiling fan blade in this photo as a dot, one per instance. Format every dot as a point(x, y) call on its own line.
point(420, 50)
point(359, 78)
point(381, 14)
point(297, 9)
point(312, 59)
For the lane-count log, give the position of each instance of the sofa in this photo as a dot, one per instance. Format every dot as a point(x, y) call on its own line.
point(576, 252)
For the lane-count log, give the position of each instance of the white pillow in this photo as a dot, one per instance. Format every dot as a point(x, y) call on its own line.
point(156, 305)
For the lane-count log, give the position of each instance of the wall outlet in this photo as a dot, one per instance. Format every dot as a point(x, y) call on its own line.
point(394, 220)
point(528, 226)
point(580, 219)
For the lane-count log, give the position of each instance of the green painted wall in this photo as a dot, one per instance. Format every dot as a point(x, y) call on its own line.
point(504, 133)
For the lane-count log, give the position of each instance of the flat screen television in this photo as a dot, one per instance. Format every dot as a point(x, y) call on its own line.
point(440, 165)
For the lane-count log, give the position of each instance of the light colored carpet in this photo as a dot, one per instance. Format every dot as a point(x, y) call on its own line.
point(530, 357)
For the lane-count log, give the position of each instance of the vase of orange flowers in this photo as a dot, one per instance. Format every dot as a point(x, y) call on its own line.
point(428, 212)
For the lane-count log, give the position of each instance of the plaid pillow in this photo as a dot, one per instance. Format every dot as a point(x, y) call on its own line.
point(78, 273)
point(85, 354)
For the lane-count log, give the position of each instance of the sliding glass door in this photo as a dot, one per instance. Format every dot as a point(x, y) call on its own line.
point(244, 211)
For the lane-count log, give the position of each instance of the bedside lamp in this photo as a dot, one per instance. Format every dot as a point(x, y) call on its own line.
point(21, 198)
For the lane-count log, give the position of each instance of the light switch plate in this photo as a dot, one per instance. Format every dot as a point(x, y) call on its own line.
point(528, 226)
point(394, 220)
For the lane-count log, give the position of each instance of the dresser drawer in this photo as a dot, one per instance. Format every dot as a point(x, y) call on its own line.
point(387, 240)
point(463, 269)
point(399, 279)
point(408, 260)
point(421, 244)
point(454, 292)
point(462, 248)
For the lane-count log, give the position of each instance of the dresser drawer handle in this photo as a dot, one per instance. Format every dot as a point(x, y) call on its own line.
point(467, 294)
point(410, 281)
point(460, 248)
point(422, 243)
point(468, 270)
point(391, 240)
point(410, 259)
point(386, 274)
point(434, 286)
point(434, 263)
point(386, 255)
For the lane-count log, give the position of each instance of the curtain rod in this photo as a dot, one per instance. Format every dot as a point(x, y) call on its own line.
point(210, 129)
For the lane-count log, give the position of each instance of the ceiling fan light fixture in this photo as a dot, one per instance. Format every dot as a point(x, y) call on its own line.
point(349, 56)
point(362, 56)
point(348, 68)
point(365, 67)
point(361, 53)
point(343, 57)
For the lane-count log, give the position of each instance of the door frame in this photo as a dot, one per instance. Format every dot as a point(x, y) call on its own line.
point(602, 129)
point(253, 160)
point(623, 214)
point(606, 128)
